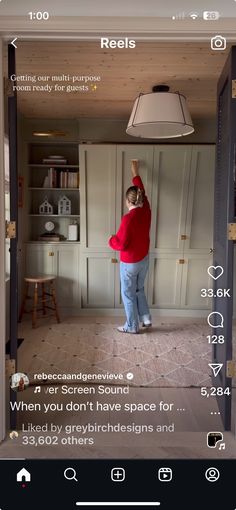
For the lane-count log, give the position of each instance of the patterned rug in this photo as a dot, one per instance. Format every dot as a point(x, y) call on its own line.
point(173, 353)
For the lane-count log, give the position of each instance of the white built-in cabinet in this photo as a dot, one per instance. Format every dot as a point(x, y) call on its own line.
point(182, 226)
point(104, 178)
point(179, 181)
point(60, 260)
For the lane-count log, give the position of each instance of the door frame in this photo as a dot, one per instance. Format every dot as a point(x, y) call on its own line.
point(2, 257)
point(70, 33)
point(223, 253)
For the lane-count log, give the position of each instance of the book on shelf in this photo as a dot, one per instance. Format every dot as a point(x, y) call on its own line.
point(52, 174)
point(50, 237)
point(63, 178)
point(73, 180)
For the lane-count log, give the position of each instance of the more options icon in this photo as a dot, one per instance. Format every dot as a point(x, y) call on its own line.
point(165, 474)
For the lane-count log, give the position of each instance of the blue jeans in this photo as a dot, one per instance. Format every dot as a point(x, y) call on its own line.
point(132, 276)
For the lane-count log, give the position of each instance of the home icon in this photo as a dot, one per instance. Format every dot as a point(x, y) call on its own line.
point(23, 476)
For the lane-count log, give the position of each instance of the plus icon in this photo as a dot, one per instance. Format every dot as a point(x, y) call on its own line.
point(118, 474)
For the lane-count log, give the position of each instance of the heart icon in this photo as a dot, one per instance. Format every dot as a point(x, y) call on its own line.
point(215, 272)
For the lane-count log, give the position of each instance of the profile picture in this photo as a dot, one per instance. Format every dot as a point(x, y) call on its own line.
point(19, 381)
point(13, 434)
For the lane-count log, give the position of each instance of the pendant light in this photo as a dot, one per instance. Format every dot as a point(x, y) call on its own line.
point(160, 114)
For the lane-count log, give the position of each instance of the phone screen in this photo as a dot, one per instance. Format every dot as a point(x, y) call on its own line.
point(117, 147)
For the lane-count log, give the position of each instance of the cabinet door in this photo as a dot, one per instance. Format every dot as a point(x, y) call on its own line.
point(195, 278)
point(169, 197)
point(67, 272)
point(40, 260)
point(199, 228)
point(97, 185)
point(98, 205)
point(164, 282)
point(98, 276)
point(144, 153)
point(200, 210)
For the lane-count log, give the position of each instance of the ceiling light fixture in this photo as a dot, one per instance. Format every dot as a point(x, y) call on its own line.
point(160, 114)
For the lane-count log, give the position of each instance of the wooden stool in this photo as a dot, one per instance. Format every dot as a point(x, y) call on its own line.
point(45, 297)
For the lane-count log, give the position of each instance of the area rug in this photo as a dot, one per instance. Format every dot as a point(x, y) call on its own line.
point(173, 353)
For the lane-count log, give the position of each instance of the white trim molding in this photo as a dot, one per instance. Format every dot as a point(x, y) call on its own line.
point(119, 312)
point(91, 28)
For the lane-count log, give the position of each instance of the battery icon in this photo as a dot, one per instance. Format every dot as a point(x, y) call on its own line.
point(211, 15)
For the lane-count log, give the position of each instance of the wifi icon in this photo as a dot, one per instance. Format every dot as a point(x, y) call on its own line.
point(194, 15)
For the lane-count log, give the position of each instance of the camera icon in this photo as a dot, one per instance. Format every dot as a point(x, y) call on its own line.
point(218, 43)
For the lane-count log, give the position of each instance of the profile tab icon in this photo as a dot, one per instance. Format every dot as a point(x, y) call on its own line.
point(212, 474)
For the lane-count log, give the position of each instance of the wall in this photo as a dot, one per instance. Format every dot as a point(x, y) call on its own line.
point(112, 130)
point(108, 130)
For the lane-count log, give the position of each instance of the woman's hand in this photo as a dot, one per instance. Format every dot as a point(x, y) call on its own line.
point(134, 167)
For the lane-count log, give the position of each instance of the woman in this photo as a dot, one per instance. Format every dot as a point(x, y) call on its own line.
point(132, 240)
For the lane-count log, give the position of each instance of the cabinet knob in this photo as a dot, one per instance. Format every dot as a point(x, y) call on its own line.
point(51, 254)
point(183, 237)
point(181, 261)
point(114, 261)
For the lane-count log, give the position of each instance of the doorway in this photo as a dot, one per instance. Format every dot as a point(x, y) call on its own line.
point(86, 355)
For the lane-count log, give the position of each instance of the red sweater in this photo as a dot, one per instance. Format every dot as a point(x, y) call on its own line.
point(132, 238)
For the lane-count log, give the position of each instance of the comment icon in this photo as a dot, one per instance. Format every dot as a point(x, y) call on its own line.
point(215, 320)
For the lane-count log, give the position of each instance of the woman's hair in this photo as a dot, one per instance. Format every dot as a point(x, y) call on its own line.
point(135, 195)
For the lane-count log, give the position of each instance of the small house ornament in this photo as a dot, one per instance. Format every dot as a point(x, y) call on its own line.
point(64, 206)
point(46, 207)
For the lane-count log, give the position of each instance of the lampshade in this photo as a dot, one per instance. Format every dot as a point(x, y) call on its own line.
point(160, 114)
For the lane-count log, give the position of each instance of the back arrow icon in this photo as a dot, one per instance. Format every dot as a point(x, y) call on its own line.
point(13, 42)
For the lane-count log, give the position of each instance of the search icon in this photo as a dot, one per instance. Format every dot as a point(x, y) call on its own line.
point(70, 474)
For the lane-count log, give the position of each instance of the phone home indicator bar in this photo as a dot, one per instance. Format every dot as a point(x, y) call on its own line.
point(118, 503)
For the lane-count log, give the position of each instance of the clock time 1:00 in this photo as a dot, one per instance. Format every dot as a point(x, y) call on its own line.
point(39, 15)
